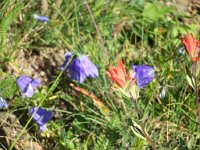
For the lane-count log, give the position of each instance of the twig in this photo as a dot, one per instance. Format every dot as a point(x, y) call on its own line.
point(96, 27)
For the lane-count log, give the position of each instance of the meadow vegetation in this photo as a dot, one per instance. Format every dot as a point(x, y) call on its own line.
point(93, 114)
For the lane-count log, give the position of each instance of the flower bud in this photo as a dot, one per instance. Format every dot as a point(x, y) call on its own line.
point(195, 68)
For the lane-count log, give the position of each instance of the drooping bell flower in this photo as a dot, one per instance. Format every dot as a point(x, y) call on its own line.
point(191, 46)
point(41, 117)
point(27, 85)
point(80, 67)
point(3, 103)
point(124, 83)
point(41, 18)
point(143, 74)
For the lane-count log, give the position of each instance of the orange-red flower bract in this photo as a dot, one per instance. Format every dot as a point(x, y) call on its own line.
point(118, 74)
point(191, 45)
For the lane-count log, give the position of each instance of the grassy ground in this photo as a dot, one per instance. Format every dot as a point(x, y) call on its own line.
point(137, 32)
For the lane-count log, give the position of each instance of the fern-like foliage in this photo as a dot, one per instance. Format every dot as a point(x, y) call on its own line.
point(5, 24)
point(8, 87)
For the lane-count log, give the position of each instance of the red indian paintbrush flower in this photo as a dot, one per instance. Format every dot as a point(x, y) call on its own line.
point(126, 84)
point(118, 74)
point(191, 46)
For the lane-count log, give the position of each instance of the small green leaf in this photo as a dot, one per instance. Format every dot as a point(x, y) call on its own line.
point(137, 130)
point(190, 81)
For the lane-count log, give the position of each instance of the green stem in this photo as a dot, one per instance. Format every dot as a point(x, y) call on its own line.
point(136, 107)
point(148, 138)
point(142, 129)
point(197, 98)
point(40, 104)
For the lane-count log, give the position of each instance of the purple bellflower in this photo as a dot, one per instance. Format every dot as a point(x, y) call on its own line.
point(41, 18)
point(144, 74)
point(41, 117)
point(27, 85)
point(80, 67)
point(3, 103)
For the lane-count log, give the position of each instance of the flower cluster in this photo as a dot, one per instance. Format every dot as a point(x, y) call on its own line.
point(79, 68)
point(137, 78)
point(27, 85)
point(40, 116)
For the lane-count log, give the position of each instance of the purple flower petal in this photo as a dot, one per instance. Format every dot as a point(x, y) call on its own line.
point(144, 74)
point(80, 68)
point(77, 75)
point(76, 71)
point(41, 117)
point(35, 83)
point(43, 128)
point(29, 91)
point(68, 56)
point(27, 85)
point(23, 83)
point(89, 68)
point(3, 103)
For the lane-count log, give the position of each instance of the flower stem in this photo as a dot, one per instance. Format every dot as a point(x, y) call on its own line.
point(137, 109)
point(148, 138)
point(142, 129)
point(197, 98)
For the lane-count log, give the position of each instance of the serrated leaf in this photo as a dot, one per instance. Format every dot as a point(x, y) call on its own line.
point(8, 87)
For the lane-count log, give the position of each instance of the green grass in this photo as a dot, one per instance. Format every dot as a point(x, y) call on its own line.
point(150, 34)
